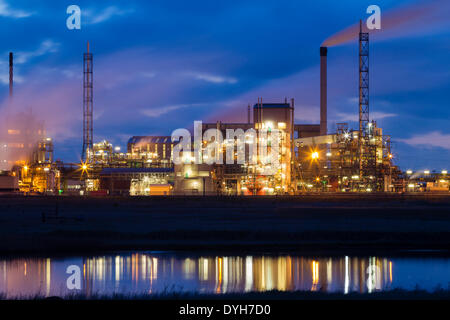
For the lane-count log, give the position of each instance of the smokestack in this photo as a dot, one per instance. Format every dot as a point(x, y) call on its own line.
point(11, 74)
point(323, 90)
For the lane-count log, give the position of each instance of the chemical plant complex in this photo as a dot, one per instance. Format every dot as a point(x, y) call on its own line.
point(308, 158)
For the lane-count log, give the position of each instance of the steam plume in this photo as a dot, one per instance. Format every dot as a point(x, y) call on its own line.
point(398, 22)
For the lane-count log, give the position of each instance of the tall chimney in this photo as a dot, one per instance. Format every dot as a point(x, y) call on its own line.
point(10, 75)
point(323, 90)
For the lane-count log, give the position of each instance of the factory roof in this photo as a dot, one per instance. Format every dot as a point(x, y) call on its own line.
point(273, 105)
point(150, 139)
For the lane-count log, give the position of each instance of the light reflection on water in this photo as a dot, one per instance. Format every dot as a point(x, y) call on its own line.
point(166, 272)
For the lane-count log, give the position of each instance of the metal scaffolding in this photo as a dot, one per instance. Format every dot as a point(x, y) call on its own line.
point(367, 147)
point(86, 153)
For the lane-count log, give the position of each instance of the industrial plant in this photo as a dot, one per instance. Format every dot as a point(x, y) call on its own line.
point(309, 158)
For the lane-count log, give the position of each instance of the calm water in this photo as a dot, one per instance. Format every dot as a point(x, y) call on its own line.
point(153, 272)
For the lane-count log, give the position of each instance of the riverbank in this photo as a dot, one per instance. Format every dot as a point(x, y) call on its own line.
point(310, 224)
point(396, 294)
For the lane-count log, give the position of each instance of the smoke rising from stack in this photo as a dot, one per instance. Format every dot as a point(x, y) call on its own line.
point(400, 19)
point(19, 132)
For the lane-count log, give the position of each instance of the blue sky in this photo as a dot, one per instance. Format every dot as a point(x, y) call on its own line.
point(160, 65)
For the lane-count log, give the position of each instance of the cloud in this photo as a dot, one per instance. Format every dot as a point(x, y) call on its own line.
point(213, 78)
point(157, 112)
point(46, 46)
point(4, 74)
point(106, 14)
point(431, 139)
point(6, 11)
point(342, 116)
point(4, 78)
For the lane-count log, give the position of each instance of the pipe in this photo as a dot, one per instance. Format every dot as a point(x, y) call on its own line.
point(323, 90)
point(11, 75)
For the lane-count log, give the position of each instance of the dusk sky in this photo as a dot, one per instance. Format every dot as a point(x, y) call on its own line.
point(160, 65)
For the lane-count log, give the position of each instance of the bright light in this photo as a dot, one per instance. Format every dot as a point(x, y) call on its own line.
point(328, 154)
point(410, 186)
point(117, 149)
point(368, 190)
point(25, 168)
point(46, 169)
point(390, 156)
point(355, 177)
point(84, 167)
point(315, 155)
point(281, 125)
point(427, 172)
point(269, 124)
point(444, 171)
point(346, 135)
point(409, 172)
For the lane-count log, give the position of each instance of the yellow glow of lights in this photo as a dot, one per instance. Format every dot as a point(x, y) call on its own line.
point(84, 166)
point(427, 172)
point(269, 125)
point(25, 168)
point(409, 172)
point(444, 171)
point(315, 155)
point(390, 271)
point(315, 274)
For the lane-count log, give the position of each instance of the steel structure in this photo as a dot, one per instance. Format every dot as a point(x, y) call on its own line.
point(86, 153)
point(363, 80)
point(367, 151)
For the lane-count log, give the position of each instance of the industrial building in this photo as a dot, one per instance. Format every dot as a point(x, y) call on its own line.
point(296, 158)
point(26, 151)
